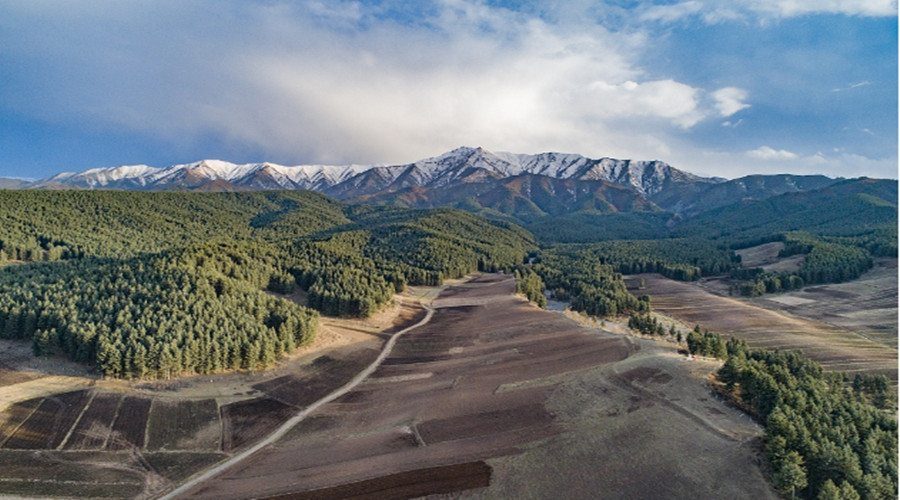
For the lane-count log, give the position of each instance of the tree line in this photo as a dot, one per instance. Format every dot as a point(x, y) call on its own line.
point(155, 288)
point(825, 262)
point(827, 435)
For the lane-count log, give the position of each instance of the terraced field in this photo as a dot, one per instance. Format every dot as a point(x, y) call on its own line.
point(78, 436)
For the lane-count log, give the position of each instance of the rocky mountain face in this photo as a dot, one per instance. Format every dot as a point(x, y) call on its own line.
point(520, 185)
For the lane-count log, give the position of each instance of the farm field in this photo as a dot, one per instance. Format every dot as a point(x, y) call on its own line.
point(65, 428)
point(767, 323)
point(494, 390)
point(867, 306)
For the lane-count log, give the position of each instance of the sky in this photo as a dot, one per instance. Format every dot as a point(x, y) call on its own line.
point(711, 87)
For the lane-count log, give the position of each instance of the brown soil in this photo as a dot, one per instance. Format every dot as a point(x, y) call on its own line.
point(50, 422)
point(247, 421)
point(184, 425)
point(867, 306)
point(536, 396)
point(93, 429)
point(114, 417)
point(836, 348)
point(415, 483)
point(129, 429)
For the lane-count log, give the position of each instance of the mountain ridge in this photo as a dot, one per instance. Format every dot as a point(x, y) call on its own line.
point(523, 186)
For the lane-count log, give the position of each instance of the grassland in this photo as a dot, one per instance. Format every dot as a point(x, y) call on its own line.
point(779, 321)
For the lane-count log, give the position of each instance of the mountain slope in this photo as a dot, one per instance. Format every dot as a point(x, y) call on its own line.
point(520, 187)
point(524, 196)
point(845, 208)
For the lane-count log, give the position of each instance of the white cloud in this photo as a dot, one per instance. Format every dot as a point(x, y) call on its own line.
point(714, 11)
point(672, 12)
point(791, 8)
point(767, 153)
point(767, 160)
point(342, 82)
point(666, 100)
point(852, 86)
point(729, 100)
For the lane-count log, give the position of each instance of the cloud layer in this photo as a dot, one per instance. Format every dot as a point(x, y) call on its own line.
point(337, 82)
point(342, 82)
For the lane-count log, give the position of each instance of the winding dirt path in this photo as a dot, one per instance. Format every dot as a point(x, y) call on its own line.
point(299, 417)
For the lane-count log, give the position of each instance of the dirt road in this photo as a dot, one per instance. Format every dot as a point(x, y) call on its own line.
point(494, 398)
point(296, 419)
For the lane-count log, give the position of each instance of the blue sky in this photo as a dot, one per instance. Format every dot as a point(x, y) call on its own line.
point(711, 87)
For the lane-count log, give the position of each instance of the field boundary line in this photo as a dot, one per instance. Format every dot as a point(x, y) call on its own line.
point(299, 417)
point(77, 420)
point(14, 431)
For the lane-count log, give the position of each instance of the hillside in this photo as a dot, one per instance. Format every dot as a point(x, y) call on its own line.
point(159, 284)
point(846, 208)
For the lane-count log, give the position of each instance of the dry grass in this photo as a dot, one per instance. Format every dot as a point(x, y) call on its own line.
point(836, 348)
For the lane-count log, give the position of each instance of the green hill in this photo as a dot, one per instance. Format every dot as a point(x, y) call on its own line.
point(155, 284)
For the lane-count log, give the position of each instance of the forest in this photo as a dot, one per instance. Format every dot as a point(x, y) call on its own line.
point(147, 285)
point(827, 436)
point(229, 248)
point(827, 260)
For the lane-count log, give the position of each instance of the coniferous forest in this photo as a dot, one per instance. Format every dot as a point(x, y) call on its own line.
point(145, 285)
point(96, 270)
point(827, 436)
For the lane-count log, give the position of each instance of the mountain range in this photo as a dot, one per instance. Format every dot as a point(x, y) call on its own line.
point(522, 186)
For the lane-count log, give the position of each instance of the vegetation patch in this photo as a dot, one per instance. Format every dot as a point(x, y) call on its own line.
point(174, 298)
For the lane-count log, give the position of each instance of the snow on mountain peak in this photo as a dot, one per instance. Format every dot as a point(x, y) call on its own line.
point(470, 163)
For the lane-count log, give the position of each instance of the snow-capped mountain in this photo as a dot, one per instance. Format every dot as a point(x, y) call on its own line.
point(475, 164)
point(197, 174)
point(470, 164)
point(509, 182)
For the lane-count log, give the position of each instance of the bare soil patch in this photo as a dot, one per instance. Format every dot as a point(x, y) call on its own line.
point(246, 421)
point(129, 429)
point(70, 475)
point(410, 484)
point(50, 422)
point(484, 423)
point(867, 306)
point(836, 348)
point(494, 379)
point(184, 425)
point(14, 416)
point(93, 429)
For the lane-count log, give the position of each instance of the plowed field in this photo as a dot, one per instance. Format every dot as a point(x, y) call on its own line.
point(533, 396)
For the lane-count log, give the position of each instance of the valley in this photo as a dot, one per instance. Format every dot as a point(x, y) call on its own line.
point(491, 381)
point(284, 344)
